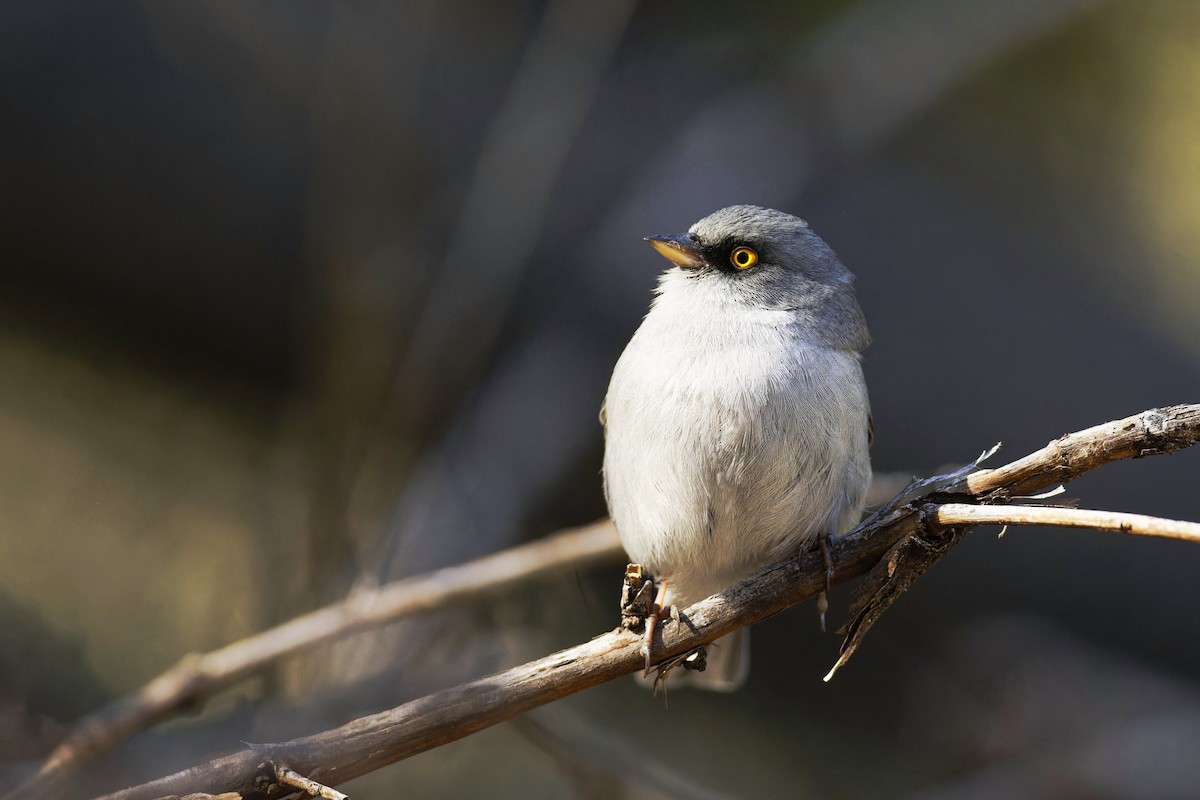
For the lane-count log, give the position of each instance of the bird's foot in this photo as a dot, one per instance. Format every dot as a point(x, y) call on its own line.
point(642, 607)
point(694, 659)
point(657, 611)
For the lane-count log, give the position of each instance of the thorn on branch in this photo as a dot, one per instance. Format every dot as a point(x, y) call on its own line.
point(883, 585)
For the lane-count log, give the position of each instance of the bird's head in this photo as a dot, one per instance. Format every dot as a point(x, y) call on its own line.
point(753, 250)
point(759, 258)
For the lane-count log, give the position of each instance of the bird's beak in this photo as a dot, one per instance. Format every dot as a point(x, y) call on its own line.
point(678, 248)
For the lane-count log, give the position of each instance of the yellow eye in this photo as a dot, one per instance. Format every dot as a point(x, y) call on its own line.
point(743, 258)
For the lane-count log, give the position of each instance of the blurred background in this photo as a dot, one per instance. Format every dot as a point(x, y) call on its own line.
point(301, 296)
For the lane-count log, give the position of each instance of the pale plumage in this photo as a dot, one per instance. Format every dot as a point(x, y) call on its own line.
point(737, 418)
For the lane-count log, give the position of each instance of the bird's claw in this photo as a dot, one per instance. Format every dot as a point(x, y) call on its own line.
point(657, 611)
point(694, 659)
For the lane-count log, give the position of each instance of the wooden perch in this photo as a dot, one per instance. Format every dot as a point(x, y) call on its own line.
point(199, 676)
point(929, 516)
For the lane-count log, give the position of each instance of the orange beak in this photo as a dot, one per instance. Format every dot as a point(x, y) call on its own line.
point(680, 249)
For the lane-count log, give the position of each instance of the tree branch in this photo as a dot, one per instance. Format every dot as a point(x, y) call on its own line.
point(371, 742)
point(951, 514)
point(1159, 431)
point(290, 777)
point(198, 676)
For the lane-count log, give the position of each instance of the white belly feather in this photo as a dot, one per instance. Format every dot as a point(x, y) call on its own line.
point(732, 448)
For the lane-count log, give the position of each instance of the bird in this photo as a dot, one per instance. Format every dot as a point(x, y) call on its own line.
point(737, 425)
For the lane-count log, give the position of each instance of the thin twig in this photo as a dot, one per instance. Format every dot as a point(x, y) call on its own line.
point(289, 777)
point(1153, 432)
point(1115, 521)
point(946, 524)
point(368, 743)
point(199, 676)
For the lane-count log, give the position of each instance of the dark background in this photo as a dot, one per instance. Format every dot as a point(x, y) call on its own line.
point(294, 295)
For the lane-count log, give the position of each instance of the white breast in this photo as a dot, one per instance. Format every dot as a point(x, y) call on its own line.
point(730, 443)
